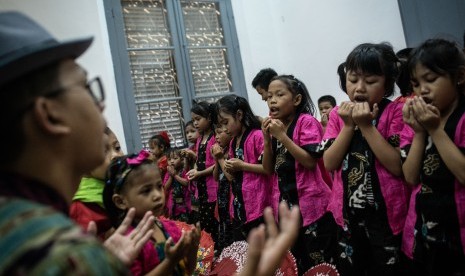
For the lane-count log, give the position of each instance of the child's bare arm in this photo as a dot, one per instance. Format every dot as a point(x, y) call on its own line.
point(277, 129)
point(192, 248)
point(386, 154)
point(412, 164)
point(334, 155)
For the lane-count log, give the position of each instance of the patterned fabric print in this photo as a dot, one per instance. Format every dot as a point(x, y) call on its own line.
point(437, 221)
point(38, 240)
point(315, 243)
point(225, 237)
point(368, 246)
point(285, 168)
point(357, 173)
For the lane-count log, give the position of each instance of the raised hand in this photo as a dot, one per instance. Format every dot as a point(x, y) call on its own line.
point(217, 151)
point(266, 252)
point(265, 124)
point(188, 153)
point(127, 247)
point(324, 119)
point(426, 114)
point(345, 112)
point(175, 252)
point(362, 115)
point(192, 174)
point(408, 115)
point(277, 129)
point(170, 169)
point(233, 165)
point(192, 241)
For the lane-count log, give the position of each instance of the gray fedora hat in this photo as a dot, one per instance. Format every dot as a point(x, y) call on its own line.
point(26, 46)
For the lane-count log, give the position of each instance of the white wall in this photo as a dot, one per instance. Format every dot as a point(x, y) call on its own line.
point(69, 19)
point(307, 38)
point(310, 38)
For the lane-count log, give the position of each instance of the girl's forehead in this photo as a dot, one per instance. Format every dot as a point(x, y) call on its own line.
point(223, 115)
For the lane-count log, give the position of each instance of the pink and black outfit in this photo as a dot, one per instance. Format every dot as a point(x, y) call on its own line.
point(207, 187)
point(178, 201)
point(251, 191)
point(434, 232)
point(153, 252)
point(309, 190)
point(367, 200)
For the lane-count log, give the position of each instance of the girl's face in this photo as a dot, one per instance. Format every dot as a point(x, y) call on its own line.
point(143, 191)
point(231, 124)
point(112, 150)
point(281, 101)
point(192, 134)
point(364, 87)
point(202, 124)
point(156, 149)
point(222, 138)
point(176, 161)
point(435, 89)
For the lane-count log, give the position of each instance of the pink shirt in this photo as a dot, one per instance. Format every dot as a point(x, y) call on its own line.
point(408, 235)
point(393, 189)
point(212, 185)
point(169, 195)
point(313, 192)
point(148, 257)
point(256, 190)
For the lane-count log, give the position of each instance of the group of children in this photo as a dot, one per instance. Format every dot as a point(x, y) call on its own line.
point(375, 180)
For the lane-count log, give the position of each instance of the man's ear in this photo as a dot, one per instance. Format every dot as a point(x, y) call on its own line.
point(119, 202)
point(239, 115)
point(50, 116)
point(297, 100)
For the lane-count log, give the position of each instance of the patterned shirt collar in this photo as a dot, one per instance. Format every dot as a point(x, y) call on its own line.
point(15, 185)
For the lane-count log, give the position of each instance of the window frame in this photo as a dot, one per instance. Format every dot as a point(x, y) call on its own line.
point(121, 63)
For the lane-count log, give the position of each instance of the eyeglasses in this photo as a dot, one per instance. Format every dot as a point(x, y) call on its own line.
point(94, 87)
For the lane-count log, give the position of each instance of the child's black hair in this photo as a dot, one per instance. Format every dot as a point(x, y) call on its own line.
point(189, 123)
point(263, 78)
point(230, 104)
point(162, 140)
point(206, 110)
point(115, 180)
point(327, 98)
point(376, 59)
point(403, 80)
point(297, 87)
point(341, 72)
point(441, 56)
point(175, 151)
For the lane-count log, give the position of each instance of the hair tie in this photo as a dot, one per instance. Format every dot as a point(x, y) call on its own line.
point(165, 137)
point(141, 157)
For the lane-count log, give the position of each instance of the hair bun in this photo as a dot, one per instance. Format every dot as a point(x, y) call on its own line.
point(165, 137)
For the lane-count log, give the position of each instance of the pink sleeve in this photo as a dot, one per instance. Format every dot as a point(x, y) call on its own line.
point(406, 136)
point(165, 179)
point(459, 138)
point(334, 125)
point(257, 146)
point(172, 229)
point(309, 131)
point(397, 124)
